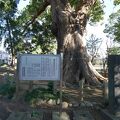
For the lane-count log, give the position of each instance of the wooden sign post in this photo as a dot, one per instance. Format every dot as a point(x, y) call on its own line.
point(33, 67)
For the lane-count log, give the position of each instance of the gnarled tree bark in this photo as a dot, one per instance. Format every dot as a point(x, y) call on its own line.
point(68, 25)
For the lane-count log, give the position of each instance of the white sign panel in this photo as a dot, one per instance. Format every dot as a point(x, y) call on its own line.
point(39, 67)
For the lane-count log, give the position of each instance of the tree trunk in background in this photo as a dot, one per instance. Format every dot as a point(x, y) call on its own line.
point(68, 25)
point(12, 60)
point(10, 42)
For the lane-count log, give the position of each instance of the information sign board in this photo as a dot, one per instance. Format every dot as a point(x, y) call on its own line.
point(39, 67)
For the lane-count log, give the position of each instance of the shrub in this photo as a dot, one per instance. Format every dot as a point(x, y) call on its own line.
point(8, 89)
point(41, 93)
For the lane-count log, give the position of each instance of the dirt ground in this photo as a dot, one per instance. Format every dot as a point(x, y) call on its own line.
point(9, 106)
point(92, 94)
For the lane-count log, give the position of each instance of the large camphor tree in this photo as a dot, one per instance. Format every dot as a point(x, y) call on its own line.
point(69, 20)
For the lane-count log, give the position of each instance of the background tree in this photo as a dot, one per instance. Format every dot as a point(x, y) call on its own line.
point(38, 35)
point(113, 27)
point(114, 51)
point(41, 34)
point(93, 46)
point(8, 24)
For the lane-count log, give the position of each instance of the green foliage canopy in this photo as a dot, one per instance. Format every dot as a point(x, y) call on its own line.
point(37, 34)
point(114, 51)
point(113, 27)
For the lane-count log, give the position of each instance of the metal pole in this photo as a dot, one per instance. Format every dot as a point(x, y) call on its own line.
point(61, 76)
point(81, 82)
point(17, 76)
point(105, 91)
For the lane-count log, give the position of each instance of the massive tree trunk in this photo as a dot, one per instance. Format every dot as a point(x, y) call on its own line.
point(68, 25)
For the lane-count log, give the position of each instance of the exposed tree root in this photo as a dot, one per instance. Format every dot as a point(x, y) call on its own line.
point(98, 75)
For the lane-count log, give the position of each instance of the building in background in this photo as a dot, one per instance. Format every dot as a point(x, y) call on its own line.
point(4, 57)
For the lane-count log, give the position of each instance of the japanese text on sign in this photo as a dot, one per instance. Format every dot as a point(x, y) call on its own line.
point(39, 67)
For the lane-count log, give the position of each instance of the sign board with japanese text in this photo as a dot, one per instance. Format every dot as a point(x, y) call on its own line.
point(39, 67)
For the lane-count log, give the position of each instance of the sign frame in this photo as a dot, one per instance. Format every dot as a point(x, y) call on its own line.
point(60, 75)
point(49, 56)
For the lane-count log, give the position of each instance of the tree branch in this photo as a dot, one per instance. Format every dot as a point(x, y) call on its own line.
point(41, 10)
point(86, 2)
